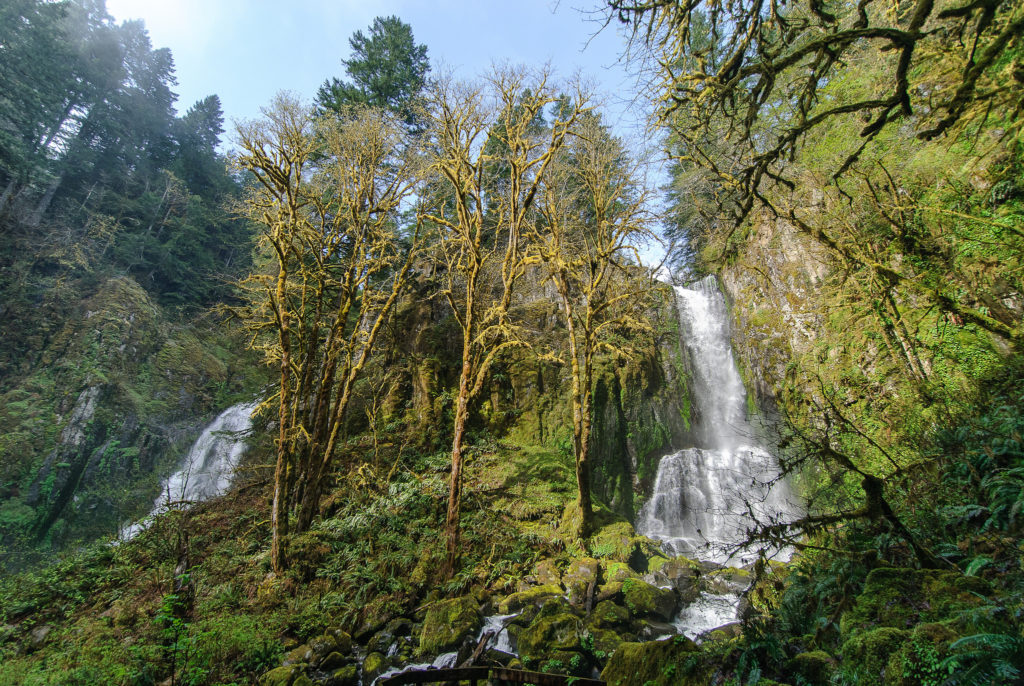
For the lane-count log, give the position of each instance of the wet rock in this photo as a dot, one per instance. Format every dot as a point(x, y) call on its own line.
point(447, 624)
point(655, 663)
point(578, 578)
point(381, 642)
point(728, 580)
point(522, 599)
point(282, 676)
point(345, 676)
point(652, 630)
point(374, 665)
point(644, 600)
point(400, 627)
point(332, 661)
point(683, 574)
point(608, 615)
point(301, 655)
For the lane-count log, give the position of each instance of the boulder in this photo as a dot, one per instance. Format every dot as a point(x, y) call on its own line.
point(447, 624)
point(547, 574)
point(581, 574)
point(655, 663)
point(345, 676)
point(815, 667)
point(282, 676)
point(534, 596)
point(644, 600)
point(554, 629)
point(728, 580)
point(374, 665)
point(296, 656)
point(608, 615)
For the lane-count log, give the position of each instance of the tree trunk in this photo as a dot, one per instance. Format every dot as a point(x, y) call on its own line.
point(279, 510)
point(451, 526)
point(44, 202)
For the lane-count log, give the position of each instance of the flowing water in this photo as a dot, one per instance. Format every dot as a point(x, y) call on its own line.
point(706, 498)
point(207, 469)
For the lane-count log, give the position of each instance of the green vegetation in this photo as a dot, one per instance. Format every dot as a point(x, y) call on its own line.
point(473, 388)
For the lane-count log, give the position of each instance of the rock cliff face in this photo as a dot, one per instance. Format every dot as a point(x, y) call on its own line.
point(770, 286)
point(118, 394)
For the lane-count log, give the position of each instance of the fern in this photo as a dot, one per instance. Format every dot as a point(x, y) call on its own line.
point(986, 659)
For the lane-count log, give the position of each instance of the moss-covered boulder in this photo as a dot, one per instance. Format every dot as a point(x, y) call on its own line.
point(345, 676)
point(553, 629)
point(608, 615)
point(867, 654)
point(281, 676)
point(615, 541)
point(296, 656)
point(533, 596)
point(546, 573)
point(815, 667)
point(447, 624)
point(645, 600)
point(655, 663)
point(374, 665)
point(902, 598)
point(682, 573)
point(577, 579)
point(917, 661)
point(332, 661)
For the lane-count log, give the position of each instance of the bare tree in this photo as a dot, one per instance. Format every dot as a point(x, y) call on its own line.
point(490, 155)
point(594, 213)
point(328, 194)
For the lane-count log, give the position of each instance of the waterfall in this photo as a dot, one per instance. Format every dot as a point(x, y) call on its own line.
point(705, 498)
point(207, 470)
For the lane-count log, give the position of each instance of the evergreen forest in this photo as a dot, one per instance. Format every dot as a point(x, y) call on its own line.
point(432, 372)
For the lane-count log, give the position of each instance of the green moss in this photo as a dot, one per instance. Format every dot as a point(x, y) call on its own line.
point(645, 600)
point(531, 596)
point(816, 667)
point(281, 676)
point(550, 632)
point(447, 624)
point(608, 615)
point(614, 541)
point(901, 598)
point(374, 665)
point(672, 662)
point(867, 654)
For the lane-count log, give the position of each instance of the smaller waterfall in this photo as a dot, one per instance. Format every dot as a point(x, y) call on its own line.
point(207, 469)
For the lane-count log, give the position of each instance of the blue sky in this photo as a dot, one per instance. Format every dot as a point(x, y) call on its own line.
point(247, 50)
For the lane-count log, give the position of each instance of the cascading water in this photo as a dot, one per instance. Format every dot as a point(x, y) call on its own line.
point(706, 497)
point(207, 469)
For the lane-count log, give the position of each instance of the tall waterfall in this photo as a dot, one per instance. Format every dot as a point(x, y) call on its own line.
point(208, 468)
point(706, 497)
